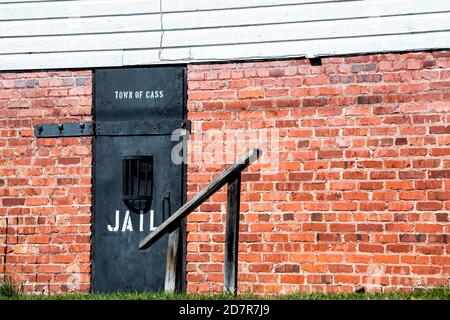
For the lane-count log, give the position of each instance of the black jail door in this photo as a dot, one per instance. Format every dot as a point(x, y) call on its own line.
point(136, 183)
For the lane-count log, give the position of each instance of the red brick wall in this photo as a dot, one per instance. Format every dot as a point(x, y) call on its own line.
point(362, 194)
point(360, 197)
point(45, 184)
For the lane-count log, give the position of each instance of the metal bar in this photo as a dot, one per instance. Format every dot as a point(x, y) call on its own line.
point(73, 129)
point(146, 176)
point(130, 178)
point(138, 177)
point(232, 236)
point(175, 219)
point(124, 178)
point(110, 128)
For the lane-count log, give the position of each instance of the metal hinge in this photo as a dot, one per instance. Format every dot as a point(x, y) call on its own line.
point(111, 128)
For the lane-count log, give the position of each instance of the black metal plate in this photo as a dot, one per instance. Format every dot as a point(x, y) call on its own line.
point(73, 129)
point(140, 86)
point(118, 264)
point(110, 128)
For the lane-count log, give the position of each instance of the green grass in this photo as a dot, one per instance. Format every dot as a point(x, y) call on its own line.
point(7, 290)
point(432, 294)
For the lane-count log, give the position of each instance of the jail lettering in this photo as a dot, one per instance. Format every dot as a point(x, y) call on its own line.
point(139, 95)
point(126, 224)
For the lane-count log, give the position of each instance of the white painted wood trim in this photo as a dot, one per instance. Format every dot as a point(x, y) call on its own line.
point(39, 34)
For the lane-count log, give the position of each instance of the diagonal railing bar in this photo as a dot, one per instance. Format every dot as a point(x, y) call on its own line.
point(173, 221)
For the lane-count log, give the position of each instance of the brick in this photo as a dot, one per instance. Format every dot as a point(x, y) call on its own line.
point(330, 154)
point(433, 174)
point(370, 164)
point(316, 102)
point(373, 248)
point(428, 270)
point(400, 206)
point(355, 279)
point(329, 257)
point(412, 238)
point(301, 196)
point(399, 185)
point(344, 185)
point(300, 176)
point(355, 175)
point(356, 196)
point(429, 206)
point(440, 152)
point(370, 227)
point(344, 206)
point(69, 160)
point(412, 195)
point(302, 257)
point(369, 99)
point(329, 237)
point(439, 130)
point(9, 202)
point(287, 268)
point(371, 185)
point(317, 216)
point(319, 279)
point(250, 94)
point(295, 279)
point(382, 175)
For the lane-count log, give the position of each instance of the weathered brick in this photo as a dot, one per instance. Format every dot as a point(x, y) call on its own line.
point(61, 234)
point(362, 175)
point(378, 175)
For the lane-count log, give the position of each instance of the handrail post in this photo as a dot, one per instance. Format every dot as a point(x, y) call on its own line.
point(232, 235)
point(172, 276)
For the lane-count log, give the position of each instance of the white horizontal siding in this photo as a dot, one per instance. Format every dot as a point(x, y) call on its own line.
point(94, 33)
point(81, 8)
